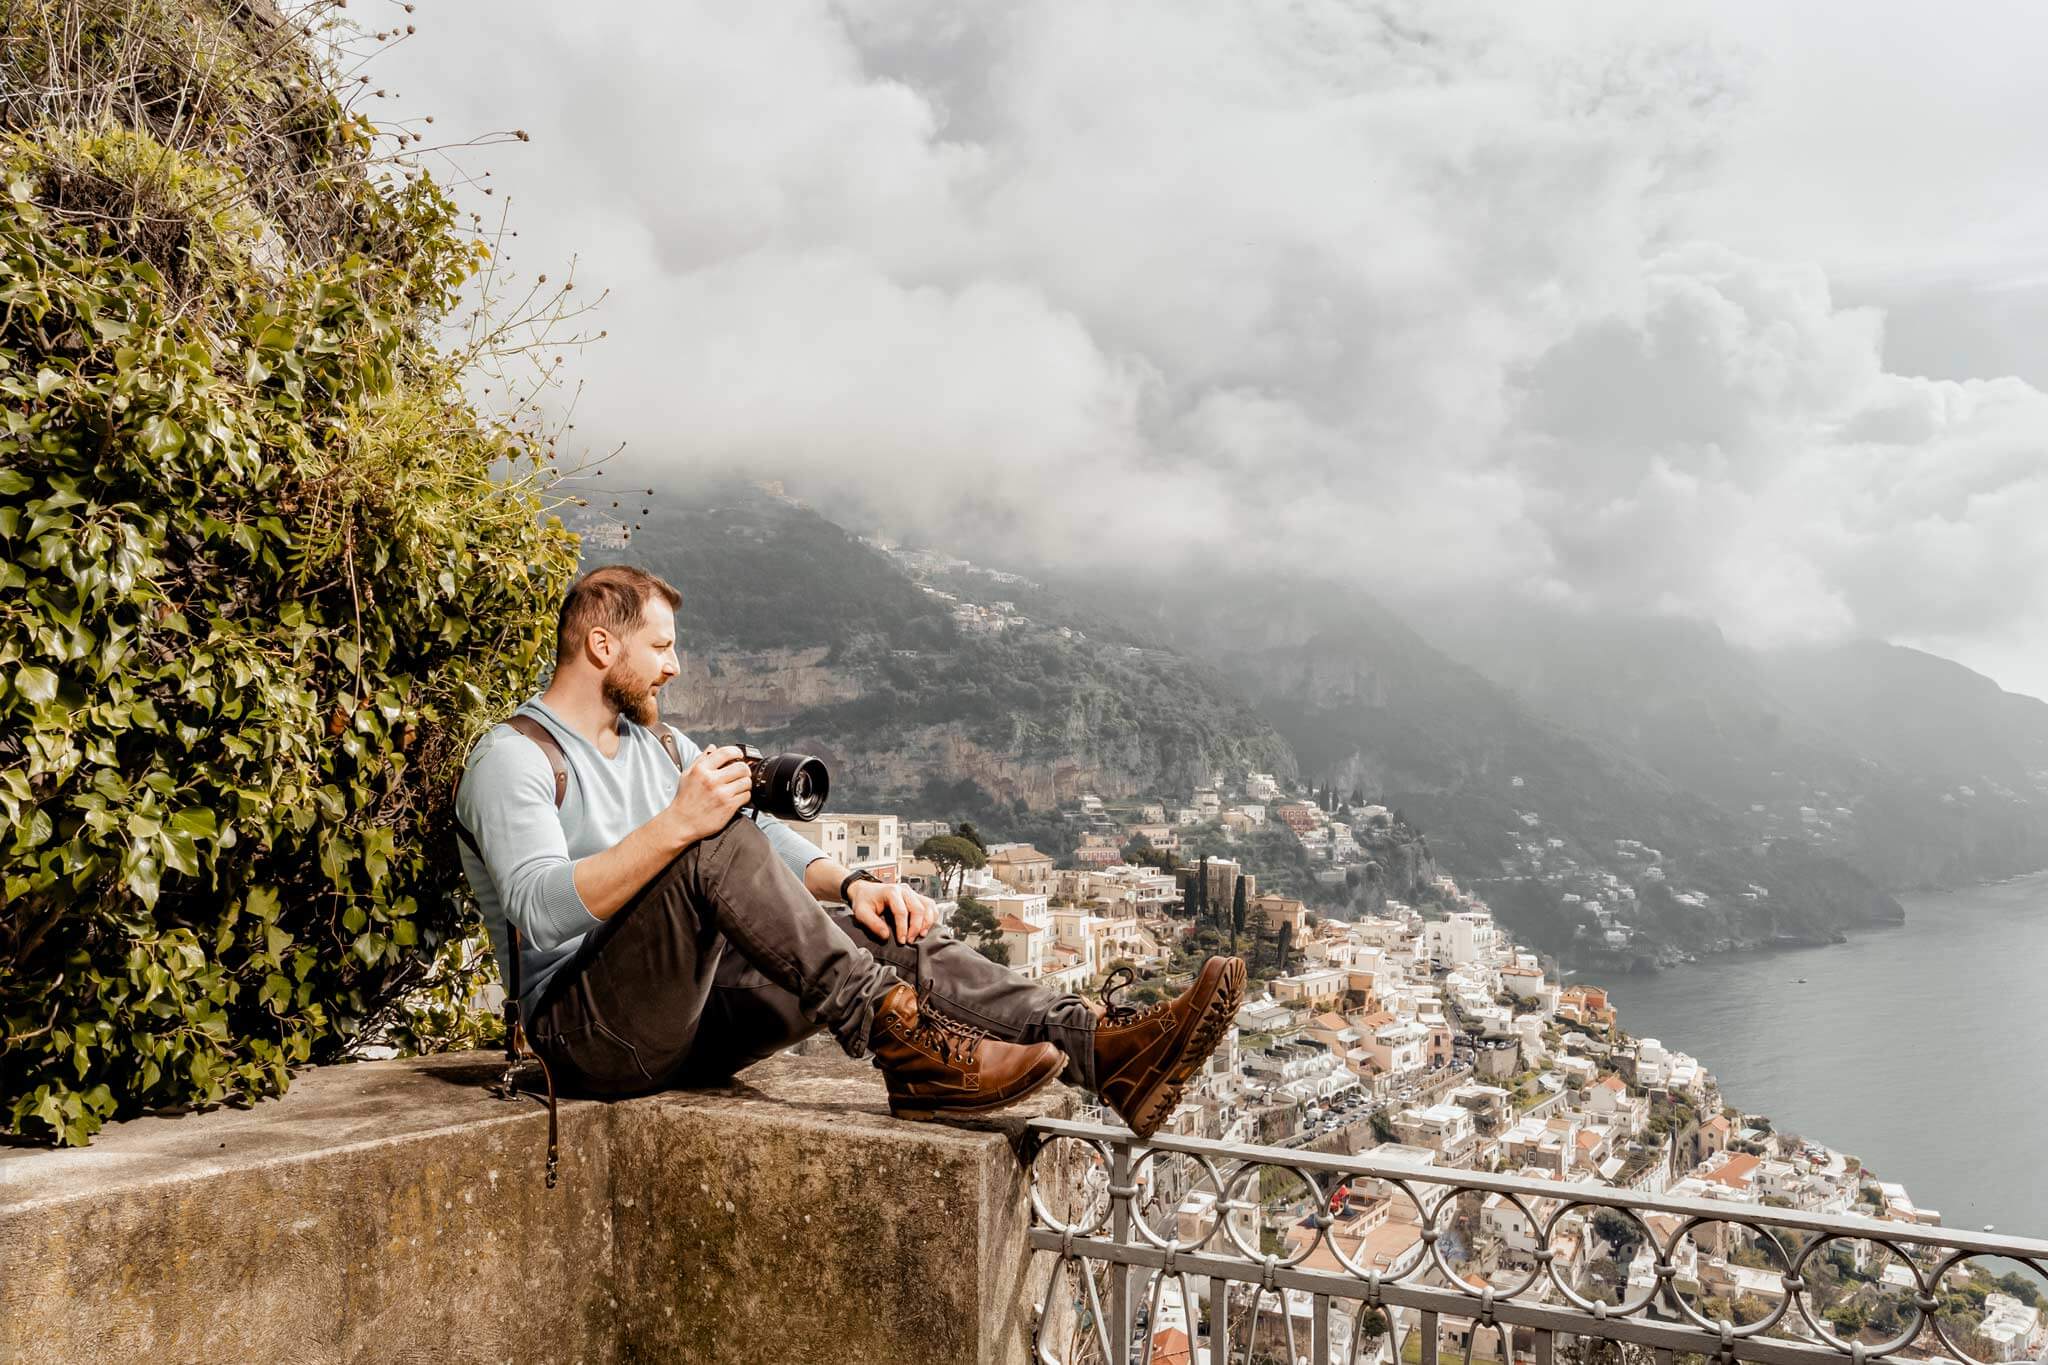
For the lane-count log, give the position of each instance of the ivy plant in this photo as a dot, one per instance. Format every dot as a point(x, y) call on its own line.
point(265, 573)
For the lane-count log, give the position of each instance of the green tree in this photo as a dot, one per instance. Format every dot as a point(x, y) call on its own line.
point(265, 570)
point(973, 922)
point(967, 831)
point(953, 854)
point(1619, 1231)
point(1146, 855)
point(1237, 915)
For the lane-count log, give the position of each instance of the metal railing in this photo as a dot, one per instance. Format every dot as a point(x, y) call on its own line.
point(1268, 1254)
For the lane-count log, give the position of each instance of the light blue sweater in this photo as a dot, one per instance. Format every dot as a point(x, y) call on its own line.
point(529, 849)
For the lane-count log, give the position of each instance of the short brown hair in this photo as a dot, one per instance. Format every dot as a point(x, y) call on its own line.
point(611, 596)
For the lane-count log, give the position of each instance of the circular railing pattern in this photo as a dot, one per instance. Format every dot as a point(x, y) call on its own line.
point(1240, 1221)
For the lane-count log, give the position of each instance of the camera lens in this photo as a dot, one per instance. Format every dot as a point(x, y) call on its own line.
point(791, 786)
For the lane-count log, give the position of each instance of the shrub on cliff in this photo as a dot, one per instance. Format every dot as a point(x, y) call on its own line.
point(259, 588)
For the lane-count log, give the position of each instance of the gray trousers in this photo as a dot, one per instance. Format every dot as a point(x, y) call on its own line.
point(724, 959)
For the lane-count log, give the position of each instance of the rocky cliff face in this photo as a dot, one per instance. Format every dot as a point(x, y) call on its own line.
point(721, 693)
point(1401, 868)
point(880, 750)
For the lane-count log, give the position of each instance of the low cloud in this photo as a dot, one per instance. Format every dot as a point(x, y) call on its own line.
point(1413, 293)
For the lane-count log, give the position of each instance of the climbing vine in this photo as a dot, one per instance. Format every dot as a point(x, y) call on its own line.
point(266, 568)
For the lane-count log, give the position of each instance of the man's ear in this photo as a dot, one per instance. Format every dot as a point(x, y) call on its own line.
point(602, 646)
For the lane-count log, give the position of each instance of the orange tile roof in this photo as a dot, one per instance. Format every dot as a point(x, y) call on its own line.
point(1735, 1172)
point(1609, 1083)
point(1010, 924)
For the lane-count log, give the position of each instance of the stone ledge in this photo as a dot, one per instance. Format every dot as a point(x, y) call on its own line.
point(395, 1211)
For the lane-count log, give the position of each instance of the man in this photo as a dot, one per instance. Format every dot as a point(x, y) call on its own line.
point(663, 940)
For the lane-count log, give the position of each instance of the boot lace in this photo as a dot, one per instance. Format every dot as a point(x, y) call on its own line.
point(1118, 1014)
point(951, 1039)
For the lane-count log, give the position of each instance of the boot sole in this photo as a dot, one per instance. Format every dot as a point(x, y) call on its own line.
point(964, 1111)
point(1154, 1108)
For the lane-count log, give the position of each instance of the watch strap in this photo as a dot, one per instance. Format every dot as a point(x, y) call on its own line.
point(860, 874)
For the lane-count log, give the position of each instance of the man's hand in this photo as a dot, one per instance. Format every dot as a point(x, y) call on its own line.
point(711, 792)
point(880, 905)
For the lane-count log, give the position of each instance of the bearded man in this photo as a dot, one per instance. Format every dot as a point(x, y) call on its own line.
point(659, 937)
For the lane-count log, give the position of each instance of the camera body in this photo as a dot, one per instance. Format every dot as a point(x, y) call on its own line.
point(786, 786)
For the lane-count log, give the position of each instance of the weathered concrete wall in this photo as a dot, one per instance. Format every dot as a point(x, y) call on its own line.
point(393, 1211)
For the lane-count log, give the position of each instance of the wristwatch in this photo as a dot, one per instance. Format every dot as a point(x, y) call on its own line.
point(858, 875)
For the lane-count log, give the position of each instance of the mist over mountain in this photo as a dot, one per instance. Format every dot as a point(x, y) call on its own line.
point(1911, 767)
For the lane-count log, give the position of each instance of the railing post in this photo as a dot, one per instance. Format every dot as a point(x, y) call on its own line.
point(1393, 1280)
point(1121, 1309)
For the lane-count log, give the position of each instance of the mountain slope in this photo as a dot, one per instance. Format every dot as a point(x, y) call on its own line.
point(1529, 811)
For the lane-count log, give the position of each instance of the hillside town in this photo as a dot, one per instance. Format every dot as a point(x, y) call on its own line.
point(1420, 1035)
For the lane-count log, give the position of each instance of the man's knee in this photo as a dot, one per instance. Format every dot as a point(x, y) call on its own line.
point(739, 845)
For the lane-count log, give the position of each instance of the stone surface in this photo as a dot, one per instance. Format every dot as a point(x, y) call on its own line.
point(377, 1212)
point(394, 1211)
point(897, 1234)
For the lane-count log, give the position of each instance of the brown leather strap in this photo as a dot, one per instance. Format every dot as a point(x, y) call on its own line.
point(549, 745)
point(558, 761)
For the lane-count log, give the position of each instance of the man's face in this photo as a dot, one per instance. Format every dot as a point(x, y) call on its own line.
point(645, 661)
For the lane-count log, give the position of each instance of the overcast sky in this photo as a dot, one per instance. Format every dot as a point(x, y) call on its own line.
point(1727, 310)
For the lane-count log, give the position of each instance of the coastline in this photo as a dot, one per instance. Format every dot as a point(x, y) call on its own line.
point(1649, 964)
point(1856, 1058)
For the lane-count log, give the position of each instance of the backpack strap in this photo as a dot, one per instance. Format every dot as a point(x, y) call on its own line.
point(549, 745)
point(516, 1046)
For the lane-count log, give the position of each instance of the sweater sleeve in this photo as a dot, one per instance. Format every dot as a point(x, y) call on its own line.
point(507, 803)
point(796, 852)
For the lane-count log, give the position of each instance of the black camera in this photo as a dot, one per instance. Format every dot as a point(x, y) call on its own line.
point(787, 786)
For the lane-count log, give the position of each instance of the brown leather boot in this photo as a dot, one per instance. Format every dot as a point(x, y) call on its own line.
point(937, 1067)
point(1144, 1058)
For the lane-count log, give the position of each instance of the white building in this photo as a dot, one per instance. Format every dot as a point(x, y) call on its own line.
point(2012, 1327)
point(1465, 937)
point(1026, 923)
point(1320, 985)
point(1445, 1129)
point(870, 842)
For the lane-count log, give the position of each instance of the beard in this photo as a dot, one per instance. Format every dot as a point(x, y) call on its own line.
point(634, 696)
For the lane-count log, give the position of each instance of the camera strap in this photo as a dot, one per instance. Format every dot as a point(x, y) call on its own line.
point(517, 1049)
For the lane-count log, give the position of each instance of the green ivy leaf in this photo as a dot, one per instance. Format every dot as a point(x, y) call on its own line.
point(36, 684)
